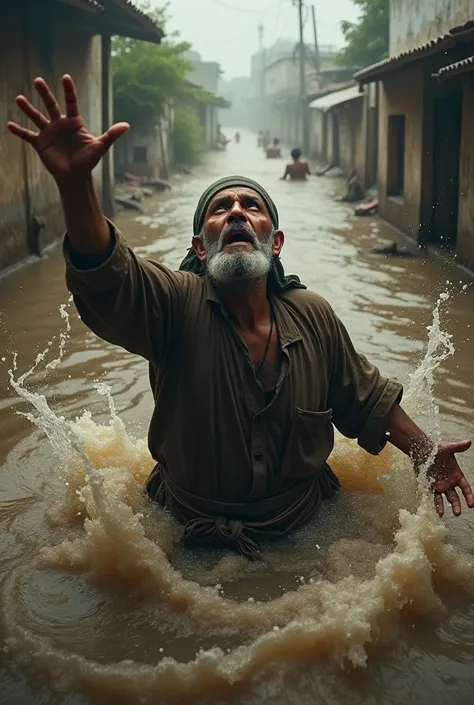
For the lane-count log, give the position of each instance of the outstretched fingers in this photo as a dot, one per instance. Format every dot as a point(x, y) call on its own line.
point(50, 102)
point(27, 135)
point(70, 96)
point(31, 112)
point(453, 499)
point(113, 134)
point(465, 488)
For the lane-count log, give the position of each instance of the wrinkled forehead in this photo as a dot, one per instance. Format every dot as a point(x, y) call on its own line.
point(233, 193)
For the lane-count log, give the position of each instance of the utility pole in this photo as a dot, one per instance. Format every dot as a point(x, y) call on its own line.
point(317, 58)
point(303, 102)
point(261, 52)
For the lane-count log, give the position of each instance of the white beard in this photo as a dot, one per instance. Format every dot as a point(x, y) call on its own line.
point(240, 264)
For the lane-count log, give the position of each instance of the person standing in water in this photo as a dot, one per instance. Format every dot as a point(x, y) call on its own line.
point(299, 169)
point(249, 369)
point(274, 151)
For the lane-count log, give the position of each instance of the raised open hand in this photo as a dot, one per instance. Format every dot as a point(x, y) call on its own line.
point(63, 143)
point(447, 476)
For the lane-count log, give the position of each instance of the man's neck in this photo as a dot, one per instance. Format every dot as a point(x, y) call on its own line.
point(246, 302)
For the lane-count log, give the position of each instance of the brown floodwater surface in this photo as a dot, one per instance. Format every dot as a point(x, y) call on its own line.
point(100, 603)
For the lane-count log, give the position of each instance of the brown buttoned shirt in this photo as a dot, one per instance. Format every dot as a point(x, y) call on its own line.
point(224, 455)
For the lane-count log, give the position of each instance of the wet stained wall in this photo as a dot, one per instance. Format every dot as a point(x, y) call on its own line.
point(402, 94)
point(352, 136)
point(37, 41)
point(415, 22)
point(465, 243)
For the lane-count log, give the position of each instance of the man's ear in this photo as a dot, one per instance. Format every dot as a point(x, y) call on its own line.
point(278, 240)
point(199, 248)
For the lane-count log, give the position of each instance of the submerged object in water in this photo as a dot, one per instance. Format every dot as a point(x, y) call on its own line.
point(369, 207)
point(393, 250)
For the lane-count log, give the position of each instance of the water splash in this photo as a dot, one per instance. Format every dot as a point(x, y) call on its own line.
point(124, 542)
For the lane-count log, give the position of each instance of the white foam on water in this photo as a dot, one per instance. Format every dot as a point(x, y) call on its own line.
point(122, 541)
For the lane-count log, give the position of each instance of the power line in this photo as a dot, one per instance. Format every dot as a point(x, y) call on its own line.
point(246, 10)
point(276, 28)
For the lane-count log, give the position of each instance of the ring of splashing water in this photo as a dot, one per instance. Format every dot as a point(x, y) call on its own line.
point(337, 618)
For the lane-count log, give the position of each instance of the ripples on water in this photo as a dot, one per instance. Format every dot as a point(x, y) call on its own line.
point(100, 603)
point(109, 570)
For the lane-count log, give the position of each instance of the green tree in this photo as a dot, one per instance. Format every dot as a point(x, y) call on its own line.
point(367, 39)
point(187, 136)
point(148, 77)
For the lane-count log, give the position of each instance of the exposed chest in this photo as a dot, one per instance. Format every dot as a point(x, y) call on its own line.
point(264, 349)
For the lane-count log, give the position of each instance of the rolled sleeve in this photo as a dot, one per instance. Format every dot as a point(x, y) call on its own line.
point(361, 398)
point(127, 300)
point(372, 436)
point(107, 275)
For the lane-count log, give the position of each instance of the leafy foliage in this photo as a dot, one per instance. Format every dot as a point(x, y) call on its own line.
point(187, 137)
point(367, 39)
point(147, 77)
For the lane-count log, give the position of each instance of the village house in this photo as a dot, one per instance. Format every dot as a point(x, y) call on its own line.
point(147, 153)
point(281, 88)
point(50, 38)
point(206, 75)
point(344, 130)
point(150, 153)
point(425, 127)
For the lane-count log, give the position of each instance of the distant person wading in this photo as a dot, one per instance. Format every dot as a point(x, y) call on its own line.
point(299, 169)
point(274, 151)
point(249, 369)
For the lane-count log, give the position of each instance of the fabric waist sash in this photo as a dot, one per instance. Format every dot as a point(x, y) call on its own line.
point(241, 524)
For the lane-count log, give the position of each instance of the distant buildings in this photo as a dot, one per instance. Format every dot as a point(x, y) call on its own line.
point(206, 75)
point(275, 103)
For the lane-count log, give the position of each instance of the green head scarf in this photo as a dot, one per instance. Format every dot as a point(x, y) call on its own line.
point(231, 182)
point(277, 280)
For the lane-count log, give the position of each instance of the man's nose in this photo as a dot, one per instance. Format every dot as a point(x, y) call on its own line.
point(236, 214)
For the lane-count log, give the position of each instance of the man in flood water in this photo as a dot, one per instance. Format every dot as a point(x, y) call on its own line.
point(299, 169)
point(249, 369)
point(273, 150)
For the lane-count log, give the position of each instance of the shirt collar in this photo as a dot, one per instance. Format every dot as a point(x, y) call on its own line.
point(287, 328)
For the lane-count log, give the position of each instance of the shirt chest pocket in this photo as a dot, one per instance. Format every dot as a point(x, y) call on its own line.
point(310, 443)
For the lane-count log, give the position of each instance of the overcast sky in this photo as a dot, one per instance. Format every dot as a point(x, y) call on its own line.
point(226, 30)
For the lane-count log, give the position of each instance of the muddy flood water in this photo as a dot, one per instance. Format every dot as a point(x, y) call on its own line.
point(371, 603)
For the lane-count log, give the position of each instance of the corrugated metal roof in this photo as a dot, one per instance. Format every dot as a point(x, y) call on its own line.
point(150, 30)
point(452, 70)
point(329, 88)
point(120, 17)
point(331, 100)
point(88, 5)
point(445, 41)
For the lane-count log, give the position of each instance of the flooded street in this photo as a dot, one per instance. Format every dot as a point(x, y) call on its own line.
point(99, 601)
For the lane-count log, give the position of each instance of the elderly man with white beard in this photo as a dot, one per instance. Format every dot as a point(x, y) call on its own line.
point(249, 369)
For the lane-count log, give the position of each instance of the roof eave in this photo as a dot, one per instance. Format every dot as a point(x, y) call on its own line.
point(119, 17)
point(378, 71)
point(459, 68)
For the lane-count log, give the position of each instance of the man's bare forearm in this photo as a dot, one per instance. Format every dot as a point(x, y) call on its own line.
point(405, 435)
point(87, 228)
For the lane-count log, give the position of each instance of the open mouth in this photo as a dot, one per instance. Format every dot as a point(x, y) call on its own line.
point(238, 237)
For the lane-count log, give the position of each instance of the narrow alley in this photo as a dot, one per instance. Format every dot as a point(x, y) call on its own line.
point(387, 304)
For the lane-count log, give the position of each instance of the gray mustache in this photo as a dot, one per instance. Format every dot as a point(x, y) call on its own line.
point(238, 228)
